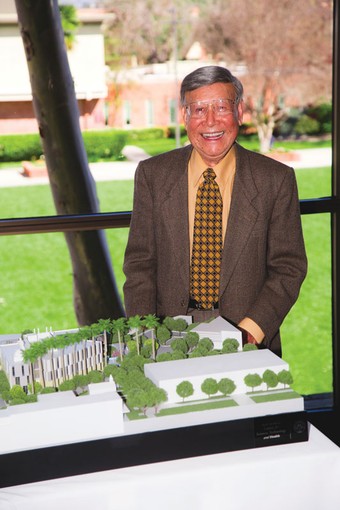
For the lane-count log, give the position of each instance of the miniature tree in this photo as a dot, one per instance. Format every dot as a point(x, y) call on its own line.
point(209, 386)
point(105, 327)
point(206, 344)
point(253, 380)
point(157, 396)
point(185, 389)
point(138, 399)
point(50, 342)
point(163, 334)
point(249, 347)
point(163, 356)
point(285, 378)
point(175, 355)
point(118, 326)
point(60, 344)
point(226, 386)
point(150, 322)
point(85, 334)
point(230, 345)
point(135, 324)
point(169, 322)
point(180, 325)
point(28, 356)
point(175, 324)
point(39, 350)
point(179, 344)
point(192, 339)
point(270, 379)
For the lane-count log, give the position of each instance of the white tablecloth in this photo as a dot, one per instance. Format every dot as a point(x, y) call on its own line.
point(286, 477)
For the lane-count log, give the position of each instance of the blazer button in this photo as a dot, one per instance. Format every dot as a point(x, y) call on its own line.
point(183, 303)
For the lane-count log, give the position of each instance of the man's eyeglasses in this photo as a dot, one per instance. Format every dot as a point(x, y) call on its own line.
point(220, 107)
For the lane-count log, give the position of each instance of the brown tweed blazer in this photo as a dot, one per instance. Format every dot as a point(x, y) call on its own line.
point(264, 261)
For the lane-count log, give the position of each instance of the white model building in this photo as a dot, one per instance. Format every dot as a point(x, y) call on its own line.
point(76, 359)
point(218, 330)
point(61, 418)
point(235, 366)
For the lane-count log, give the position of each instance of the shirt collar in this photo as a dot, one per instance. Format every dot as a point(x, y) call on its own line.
point(223, 169)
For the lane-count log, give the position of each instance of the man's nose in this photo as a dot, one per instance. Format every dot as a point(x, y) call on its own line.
point(210, 119)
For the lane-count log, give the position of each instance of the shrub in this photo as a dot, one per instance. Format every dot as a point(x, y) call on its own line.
point(17, 392)
point(95, 376)
point(106, 144)
point(171, 131)
point(4, 384)
point(17, 402)
point(30, 399)
point(20, 147)
point(307, 126)
point(67, 386)
point(323, 114)
point(141, 135)
point(49, 389)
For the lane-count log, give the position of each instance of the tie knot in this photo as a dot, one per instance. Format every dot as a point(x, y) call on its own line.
point(209, 174)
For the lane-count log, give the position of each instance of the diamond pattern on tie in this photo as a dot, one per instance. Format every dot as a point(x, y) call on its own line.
point(207, 242)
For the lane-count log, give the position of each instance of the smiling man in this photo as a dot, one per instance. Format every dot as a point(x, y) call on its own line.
point(215, 228)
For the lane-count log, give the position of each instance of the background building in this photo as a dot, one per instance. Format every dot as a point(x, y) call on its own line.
point(87, 64)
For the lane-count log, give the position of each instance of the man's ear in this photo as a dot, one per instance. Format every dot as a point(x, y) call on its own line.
point(240, 109)
point(184, 115)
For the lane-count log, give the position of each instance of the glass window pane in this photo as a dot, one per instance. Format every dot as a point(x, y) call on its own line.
point(307, 330)
point(314, 182)
point(36, 280)
point(36, 200)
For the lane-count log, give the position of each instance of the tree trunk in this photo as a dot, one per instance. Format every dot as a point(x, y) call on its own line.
point(73, 188)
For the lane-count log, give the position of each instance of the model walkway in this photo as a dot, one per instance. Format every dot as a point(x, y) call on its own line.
point(125, 170)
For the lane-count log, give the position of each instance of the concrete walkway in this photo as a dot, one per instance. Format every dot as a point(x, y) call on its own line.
point(125, 170)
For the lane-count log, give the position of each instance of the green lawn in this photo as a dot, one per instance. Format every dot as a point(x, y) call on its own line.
point(36, 279)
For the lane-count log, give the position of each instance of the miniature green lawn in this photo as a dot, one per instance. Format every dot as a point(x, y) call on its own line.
point(36, 276)
point(274, 396)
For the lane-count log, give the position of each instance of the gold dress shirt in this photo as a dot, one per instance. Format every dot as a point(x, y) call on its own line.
point(225, 174)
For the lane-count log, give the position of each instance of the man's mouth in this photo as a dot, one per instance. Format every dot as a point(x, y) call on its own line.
point(213, 136)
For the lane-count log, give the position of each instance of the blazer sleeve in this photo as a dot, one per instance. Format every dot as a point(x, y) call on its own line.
point(286, 261)
point(140, 265)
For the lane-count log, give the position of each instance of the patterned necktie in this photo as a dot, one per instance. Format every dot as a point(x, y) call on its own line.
point(207, 243)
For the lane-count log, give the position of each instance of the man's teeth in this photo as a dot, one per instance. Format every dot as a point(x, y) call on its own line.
point(212, 135)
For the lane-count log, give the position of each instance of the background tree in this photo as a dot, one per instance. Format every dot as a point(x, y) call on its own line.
point(285, 50)
point(185, 389)
point(72, 185)
point(143, 32)
point(69, 23)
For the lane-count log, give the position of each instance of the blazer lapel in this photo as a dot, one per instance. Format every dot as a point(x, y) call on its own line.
point(242, 217)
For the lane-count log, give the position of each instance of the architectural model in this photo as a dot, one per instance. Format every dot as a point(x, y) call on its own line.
point(228, 386)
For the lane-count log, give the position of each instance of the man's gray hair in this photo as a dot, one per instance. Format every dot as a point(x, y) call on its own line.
point(209, 75)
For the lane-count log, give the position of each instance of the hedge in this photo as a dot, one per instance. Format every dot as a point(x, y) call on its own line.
point(20, 147)
point(105, 144)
